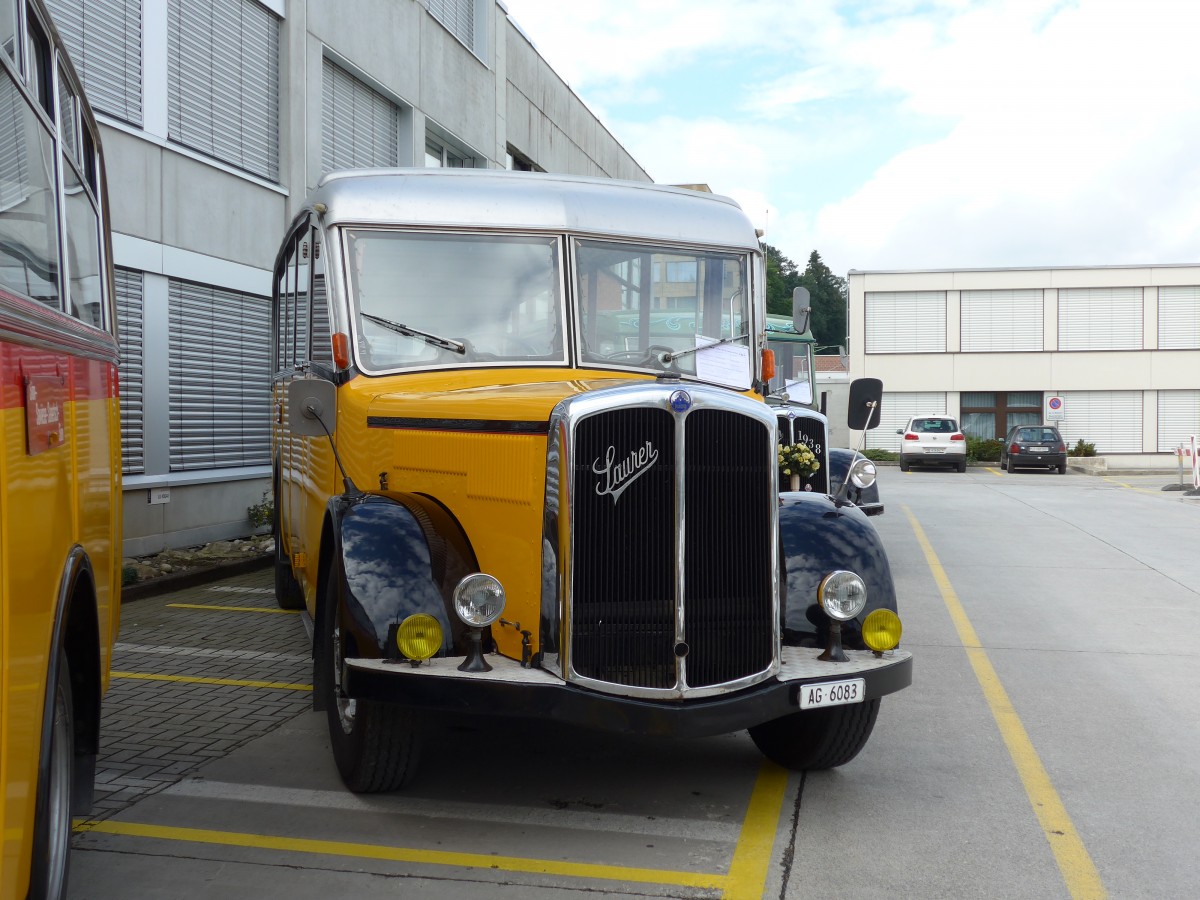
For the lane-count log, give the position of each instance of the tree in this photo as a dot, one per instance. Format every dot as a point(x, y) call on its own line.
point(782, 278)
point(830, 296)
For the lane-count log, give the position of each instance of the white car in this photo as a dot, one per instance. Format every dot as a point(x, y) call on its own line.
point(932, 440)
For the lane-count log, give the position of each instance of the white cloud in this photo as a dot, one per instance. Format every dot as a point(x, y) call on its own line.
point(1057, 131)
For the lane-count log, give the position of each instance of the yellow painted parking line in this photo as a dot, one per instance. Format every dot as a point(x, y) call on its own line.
point(407, 855)
point(199, 679)
point(752, 856)
point(254, 609)
point(1074, 862)
point(997, 471)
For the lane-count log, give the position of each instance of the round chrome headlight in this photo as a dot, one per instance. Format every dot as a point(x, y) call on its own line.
point(479, 600)
point(842, 595)
point(862, 473)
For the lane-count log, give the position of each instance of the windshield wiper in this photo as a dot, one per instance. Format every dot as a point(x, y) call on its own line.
point(433, 340)
point(671, 357)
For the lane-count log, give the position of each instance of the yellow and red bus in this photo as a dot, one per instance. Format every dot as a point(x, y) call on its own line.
point(60, 490)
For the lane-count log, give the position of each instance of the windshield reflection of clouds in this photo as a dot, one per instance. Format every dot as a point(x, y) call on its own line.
point(387, 568)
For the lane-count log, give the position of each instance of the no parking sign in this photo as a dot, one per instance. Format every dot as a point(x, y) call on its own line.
point(1056, 409)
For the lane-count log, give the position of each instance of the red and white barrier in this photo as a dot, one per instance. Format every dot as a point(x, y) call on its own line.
point(1188, 456)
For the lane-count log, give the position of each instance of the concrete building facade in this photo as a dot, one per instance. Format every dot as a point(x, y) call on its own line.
point(1119, 347)
point(218, 117)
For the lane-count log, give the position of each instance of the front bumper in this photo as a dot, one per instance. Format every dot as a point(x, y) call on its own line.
point(509, 690)
point(1039, 460)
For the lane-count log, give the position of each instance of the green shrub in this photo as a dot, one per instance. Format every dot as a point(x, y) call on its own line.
point(261, 514)
point(983, 449)
point(1082, 448)
point(129, 575)
point(878, 455)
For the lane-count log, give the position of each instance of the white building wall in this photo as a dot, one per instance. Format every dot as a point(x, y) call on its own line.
point(1103, 381)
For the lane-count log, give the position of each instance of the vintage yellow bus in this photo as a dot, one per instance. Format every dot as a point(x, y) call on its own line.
point(60, 491)
point(523, 466)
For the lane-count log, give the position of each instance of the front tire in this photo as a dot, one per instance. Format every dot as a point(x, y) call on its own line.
point(376, 745)
point(817, 738)
point(52, 827)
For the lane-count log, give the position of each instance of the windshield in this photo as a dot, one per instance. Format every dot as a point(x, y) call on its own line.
point(430, 299)
point(793, 370)
point(648, 307)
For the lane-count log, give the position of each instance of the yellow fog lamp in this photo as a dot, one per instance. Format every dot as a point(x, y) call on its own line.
point(478, 601)
point(419, 637)
point(881, 631)
point(842, 595)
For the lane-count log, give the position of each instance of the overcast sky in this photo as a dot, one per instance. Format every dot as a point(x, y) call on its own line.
point(908, 134)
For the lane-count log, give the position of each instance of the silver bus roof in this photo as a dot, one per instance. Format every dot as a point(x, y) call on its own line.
point(483, 198)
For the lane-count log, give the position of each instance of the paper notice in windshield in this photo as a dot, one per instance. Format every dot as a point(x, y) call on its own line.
point(727, 364)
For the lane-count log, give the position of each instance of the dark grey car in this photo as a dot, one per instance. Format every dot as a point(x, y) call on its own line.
point(1030, 446)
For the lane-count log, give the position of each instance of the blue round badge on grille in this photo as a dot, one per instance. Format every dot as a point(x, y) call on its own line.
point(681, 401)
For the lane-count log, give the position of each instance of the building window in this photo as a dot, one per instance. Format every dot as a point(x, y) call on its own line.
point(906, 322)
point(220, 375)
point(989, 415)
point(129, 330)
point(1112, 420)
point(1100, 319)
point(516, 161)
point(360, 128)
point(898, 407)
point(1179, 318)
point(438, 153)
point(223, 82)
point(994, 321)
point(8, 30)
point(104, 41)
point(1178, 419)
point(458, 16)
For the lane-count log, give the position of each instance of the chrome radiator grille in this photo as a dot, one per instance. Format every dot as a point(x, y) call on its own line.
point(663, 596)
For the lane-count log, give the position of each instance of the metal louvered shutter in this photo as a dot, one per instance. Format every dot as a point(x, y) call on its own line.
point(360, 127)
point(458, 16)
point(104, 40)
point(1112, 420)
point(1178, 318)
point(1178, 418)
point(1100, 319)
point(223, 82)
point(898, 407)
point(129, 330)
point(906, 322)
point(1001, 320)
point(220, 377)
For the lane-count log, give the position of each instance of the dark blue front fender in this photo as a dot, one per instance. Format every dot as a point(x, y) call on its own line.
point(819, 536)
point(396, 557)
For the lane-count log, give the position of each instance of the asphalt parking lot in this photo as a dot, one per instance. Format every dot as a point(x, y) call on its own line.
point(1044, 749)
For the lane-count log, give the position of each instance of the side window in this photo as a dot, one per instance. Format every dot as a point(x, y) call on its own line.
point(322, 350)
point(39, 72)
point(302, 300)
point(285, 316)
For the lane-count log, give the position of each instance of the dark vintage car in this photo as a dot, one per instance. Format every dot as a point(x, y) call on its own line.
point(842, 470)
point(1030, 446)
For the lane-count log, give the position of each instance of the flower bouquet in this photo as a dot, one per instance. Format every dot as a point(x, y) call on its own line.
point(796, 461)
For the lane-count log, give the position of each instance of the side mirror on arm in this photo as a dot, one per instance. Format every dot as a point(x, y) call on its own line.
point(801, 309)
point(866, 401)
point(311, 403)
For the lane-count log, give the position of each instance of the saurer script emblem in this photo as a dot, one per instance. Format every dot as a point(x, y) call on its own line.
point(616, 476)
